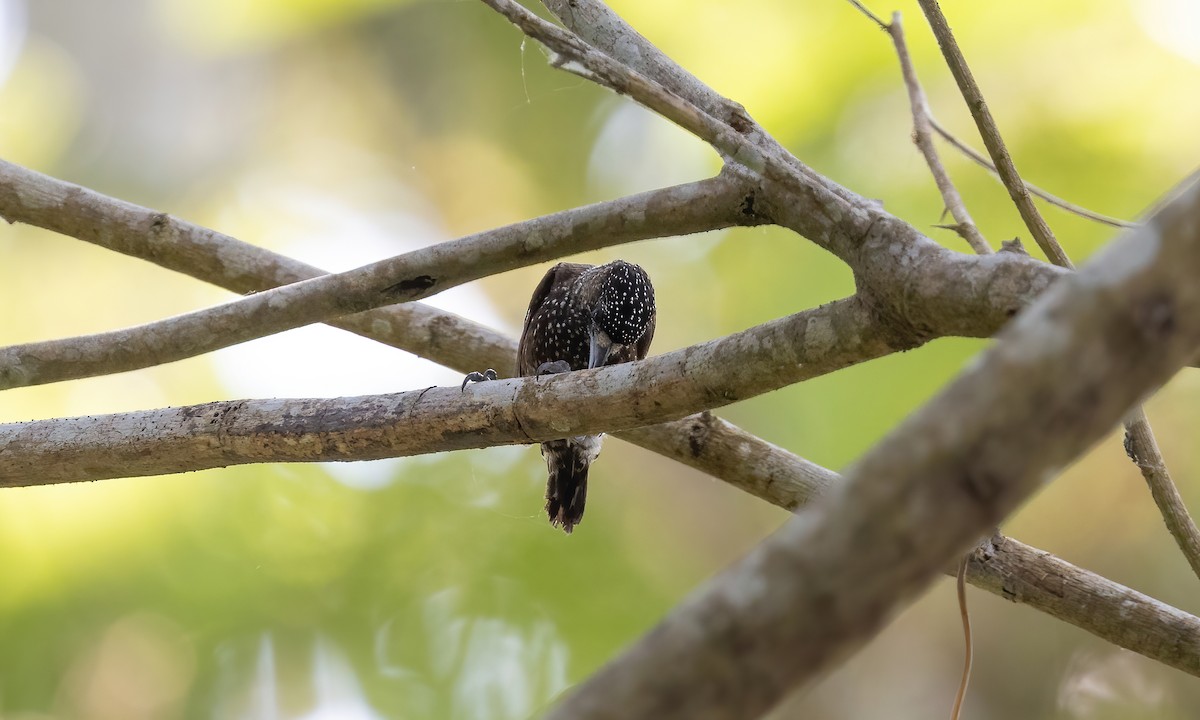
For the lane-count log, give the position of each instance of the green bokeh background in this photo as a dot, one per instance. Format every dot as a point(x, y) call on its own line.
point(341, 132)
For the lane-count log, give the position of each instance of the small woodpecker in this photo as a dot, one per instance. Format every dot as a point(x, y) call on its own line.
point(580, 317)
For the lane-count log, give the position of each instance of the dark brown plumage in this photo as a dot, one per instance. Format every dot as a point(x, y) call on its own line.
point(583, 316)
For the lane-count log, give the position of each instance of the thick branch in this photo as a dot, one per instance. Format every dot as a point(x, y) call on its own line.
point(695, 207)
point(1057, 379)
point(1013, 571)
point(1127, 618)
point(662, 388)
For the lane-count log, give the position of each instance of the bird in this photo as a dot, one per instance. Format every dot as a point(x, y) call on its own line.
point(581, 317)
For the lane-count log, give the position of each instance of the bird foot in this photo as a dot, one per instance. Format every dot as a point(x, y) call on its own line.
point(553, 368)
point(488, 374)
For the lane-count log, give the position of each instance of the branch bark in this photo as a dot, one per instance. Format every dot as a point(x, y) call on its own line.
point(1143, 450)
point(694, 207)
point(665, 387)
point(1127, 618)
point(1054, 383)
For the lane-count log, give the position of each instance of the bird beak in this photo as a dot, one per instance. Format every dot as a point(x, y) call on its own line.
point(601, 345)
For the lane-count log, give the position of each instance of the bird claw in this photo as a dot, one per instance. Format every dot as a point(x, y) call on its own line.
point(484, 376)
point(553, 368)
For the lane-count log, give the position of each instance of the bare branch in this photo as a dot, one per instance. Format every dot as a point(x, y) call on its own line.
point(1004, 567)
point(1013, 571)
point(604, 30)
point(1052, 199)
point(665, 387)
point(872, 16)
point(725, 451)
point(911, 295)
point(1142, 448)
point(1060, 376)
point(991, 136)
point(578, 57)
point(964, 224)
point(1124, 617)
point(694, 207)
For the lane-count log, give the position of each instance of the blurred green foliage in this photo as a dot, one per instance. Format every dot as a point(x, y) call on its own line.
point(432, 587)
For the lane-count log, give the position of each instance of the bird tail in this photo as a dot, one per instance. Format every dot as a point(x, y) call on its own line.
point(568, 462)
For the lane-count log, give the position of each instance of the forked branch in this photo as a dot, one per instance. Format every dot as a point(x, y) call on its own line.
point(830, 578)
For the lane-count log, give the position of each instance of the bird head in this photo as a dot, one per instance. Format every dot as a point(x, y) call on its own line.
point(622, 311)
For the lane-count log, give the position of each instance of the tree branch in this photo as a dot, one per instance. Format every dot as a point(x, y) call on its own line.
point(1143, 450)
point(964, 224)
point(576, 56)
point(1056, 380)
point(834, 218)
point(694, 207)
point(1054, 200)
point(1127, 618)
point(991, 135)
point(665, 387)
point(917, 296)
point(1140, 443)
point(602, 28)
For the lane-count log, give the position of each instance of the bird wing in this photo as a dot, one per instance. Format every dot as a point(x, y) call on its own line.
point(642, 346)
point(560, 274)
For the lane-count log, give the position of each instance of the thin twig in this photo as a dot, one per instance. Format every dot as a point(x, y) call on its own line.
point(875, 18)
point(991, 136)
point(1054, 200)
point(964, 225)
point(1143, 450)
point(970, 152)
point(968, 653)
